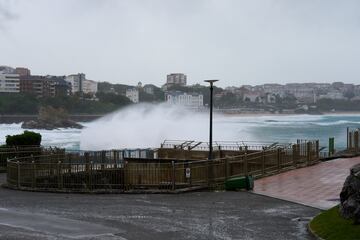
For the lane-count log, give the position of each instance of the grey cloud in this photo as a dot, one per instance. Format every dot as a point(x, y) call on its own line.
point(6, 15)
point(237, 41)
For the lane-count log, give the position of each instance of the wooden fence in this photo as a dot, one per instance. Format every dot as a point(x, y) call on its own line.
point(106, 171)
point(9, 152)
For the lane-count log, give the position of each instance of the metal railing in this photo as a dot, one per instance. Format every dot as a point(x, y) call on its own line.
point(221, 145)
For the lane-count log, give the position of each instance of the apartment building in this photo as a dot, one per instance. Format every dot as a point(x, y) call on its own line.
point(9, 82)
point(39, 86)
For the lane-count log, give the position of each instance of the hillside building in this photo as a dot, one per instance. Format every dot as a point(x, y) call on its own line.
point(132, 94)
point(39, 86)
point(191, 100)
point(9, 82)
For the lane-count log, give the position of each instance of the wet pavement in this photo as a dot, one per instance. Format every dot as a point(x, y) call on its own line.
point(197, 215)
point(319, 185)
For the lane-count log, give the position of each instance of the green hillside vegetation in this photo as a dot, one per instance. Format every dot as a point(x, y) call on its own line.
point(27, 104)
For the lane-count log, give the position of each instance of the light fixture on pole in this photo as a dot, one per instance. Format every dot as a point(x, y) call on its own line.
point(211, 116)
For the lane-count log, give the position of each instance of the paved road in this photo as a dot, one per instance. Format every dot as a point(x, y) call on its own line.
point(198, 215)
point(319, 185)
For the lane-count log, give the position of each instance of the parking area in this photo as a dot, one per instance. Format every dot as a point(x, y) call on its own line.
point(196, 215)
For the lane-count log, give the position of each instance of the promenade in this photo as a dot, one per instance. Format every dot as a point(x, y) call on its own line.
point(318, 185)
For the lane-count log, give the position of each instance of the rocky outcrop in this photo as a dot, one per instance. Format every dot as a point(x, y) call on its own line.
point(350, 196)
point(40, 124)
point(51, 118)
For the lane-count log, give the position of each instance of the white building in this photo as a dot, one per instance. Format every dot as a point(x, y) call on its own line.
point(90, 87)
point(133, 94)
point(9, 83)
point(253, 96)
point(79, 83)
point(333, 95)
point(191, 100)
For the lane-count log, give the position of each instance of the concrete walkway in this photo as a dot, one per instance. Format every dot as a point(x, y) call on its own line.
point(318, 186)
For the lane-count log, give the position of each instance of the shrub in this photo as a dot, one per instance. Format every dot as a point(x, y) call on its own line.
point(28, 138)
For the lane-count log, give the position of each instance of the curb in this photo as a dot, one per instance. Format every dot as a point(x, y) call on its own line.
point(287, 200)
point(311, 231)
point(103, 191)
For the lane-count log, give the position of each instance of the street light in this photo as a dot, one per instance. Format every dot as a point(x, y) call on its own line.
point(211, 115)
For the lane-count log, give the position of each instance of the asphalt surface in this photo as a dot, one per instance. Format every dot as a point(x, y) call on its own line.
point(197, 215)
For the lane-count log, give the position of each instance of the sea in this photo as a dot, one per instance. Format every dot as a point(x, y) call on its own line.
point(243, 128)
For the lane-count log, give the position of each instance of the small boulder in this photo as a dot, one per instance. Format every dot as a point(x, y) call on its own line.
point(350, 196)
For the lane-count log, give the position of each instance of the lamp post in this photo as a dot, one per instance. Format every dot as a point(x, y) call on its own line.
point(211, 116)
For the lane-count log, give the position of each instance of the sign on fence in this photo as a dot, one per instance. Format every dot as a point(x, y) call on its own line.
point(188, 172)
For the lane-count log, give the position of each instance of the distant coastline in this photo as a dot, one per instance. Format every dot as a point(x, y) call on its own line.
point(18, 118)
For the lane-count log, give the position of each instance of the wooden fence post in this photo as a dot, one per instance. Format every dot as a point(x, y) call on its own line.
point(245, 164)
point(308, 152)
point(33, 175)
point(90, 176)
point(115, 157)
point(18, 173)
point(87, 161)
point(69, 163)
point(173, 177)
point(124, 176)
point(278, 157)
point(103, 158)
point(317, 147)
point(226, 165)
point(356, 141)
point(294, 158)
point(347, 138)
point(59, 175)
point(263, 162)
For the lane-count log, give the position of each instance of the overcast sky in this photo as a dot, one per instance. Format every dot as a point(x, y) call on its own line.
point(238, 42)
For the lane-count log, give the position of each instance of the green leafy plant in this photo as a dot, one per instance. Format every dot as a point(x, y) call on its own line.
point(28, 138)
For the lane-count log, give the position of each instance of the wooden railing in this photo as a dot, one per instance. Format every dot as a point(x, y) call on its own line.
point(10, 152)
point(107, 171)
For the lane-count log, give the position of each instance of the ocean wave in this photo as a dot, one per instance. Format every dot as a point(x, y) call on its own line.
point(339, 122)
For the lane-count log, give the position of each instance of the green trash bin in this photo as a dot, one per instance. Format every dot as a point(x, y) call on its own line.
point(246, 182)
point(235, 183)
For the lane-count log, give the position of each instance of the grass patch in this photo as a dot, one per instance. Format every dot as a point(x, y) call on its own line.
point(330, 225)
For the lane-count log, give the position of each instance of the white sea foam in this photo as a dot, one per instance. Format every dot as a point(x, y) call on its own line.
point(340, 122)
point(147, 125)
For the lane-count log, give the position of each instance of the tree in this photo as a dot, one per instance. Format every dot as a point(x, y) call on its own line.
point(28, 138)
